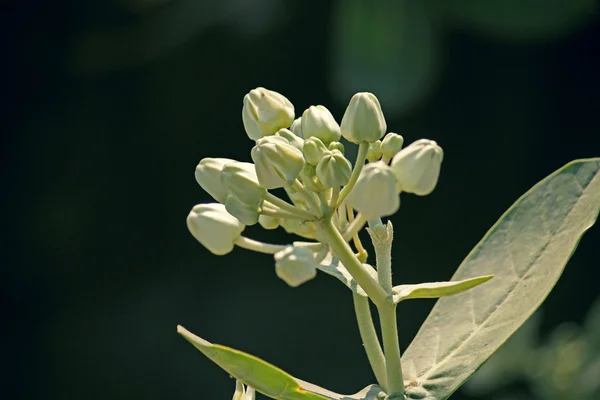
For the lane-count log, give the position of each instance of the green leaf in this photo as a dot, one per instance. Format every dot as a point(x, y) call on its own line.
point(331, 265)
point(254, 372)
point(526, 250)
point(371, 392)
point(433, 290)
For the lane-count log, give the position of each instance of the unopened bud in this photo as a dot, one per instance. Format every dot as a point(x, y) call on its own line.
point(296, 127)
point(268, 222)
point(277, 162)
point(295, 265)
point(374, 152)
point(375, 193)
point(208, 175)
point(247, 214)
point(318, 122)
point(336, 146)
point(214, 227)
point(265, 112)
point(363, 120)
point(309, 177)
point(334, 169)
point(292, 139)
point(242, 182)
point(313, 150)
point(305, 229)
point(391, 144)
point(417, 167)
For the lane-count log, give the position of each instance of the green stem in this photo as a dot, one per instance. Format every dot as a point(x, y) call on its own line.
point(391, 347)
point(363, 148)
point(280, 214)
point(260, 247)
point(355, 226)
point(370, 339)
point(344, 252)
point(284, 205)
point(382, 242)
point(308, 196)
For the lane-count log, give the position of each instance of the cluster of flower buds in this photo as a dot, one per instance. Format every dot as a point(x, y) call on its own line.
point(305, 157)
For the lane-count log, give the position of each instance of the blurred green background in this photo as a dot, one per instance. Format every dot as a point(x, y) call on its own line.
point(109, 105)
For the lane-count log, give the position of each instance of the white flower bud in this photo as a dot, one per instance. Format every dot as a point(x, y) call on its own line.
point(391, 144)
point(334, 169)
point(265, 112)
point(318, 122)
point(208, 176)
point(214, 227)
point(268, 222)
point(247, 214)
point(295, 265)
point(313, 150)
point(375, 193)
point(242, 182)
point(294, 140)
point(363, 120)
point(296, 127)
point(305, 229)
point(277, 162)
point(417, 167)
point(309, 178)
point(374, 152)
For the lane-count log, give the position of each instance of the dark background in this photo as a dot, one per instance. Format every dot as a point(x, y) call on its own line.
point(108, 107)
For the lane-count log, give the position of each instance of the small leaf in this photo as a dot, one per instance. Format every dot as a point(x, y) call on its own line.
point(433, 290)
point(526, 250)
point(331, 265)
point(254, 372)
point(371, 392)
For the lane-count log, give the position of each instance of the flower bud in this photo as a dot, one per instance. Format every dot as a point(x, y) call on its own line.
point(307, 230)
point(309, 177)
point(336, 146)
point(374, 152)
point(247, 214)
point(334, 169)
point(265, 112)
point(277, 162)
point(242, 182)
point(318, 122)
point(313, 150)
point(363, 120)
point(214, 227)
point(375, 193)
point(268, 222)
point(296, 127)
point(391, 144)
point(417, 167)
point(295, 265)
point(208, 176)
point(292, 139)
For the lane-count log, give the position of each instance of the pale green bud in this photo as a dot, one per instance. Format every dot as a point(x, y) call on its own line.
point(334, 169)
point(265, 112)
point(268, 222)
point(295, 265)
point(247, 214)
point(208, 176)
point(309, 177)
point(242, 182)
point(318, 122)
point(214, 227)
point(313, 150)
point(277, 162)
point(391, 144)
point(294, 140)
point(336, 146)
point(417, 167)
point(307, 230)
point(375, 193)
point(363, 120)
point(374, 152)
point(296, 127)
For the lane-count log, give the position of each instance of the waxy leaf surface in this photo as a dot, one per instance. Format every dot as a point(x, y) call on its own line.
point(434, 290)
point(526, 251)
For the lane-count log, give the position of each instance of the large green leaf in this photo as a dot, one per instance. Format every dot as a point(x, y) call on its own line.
point(526, 251)
point(254, 372)
point(434, 290)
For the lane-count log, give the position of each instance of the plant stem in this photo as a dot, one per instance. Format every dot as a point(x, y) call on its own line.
point(363, 148)
point(355, 226)
point(255, 245)
point(344, 252)
point(280, 214)
point(391, 347)
point(382, 237)
point(308, 196)
point(370, 339)
point(284, 205)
